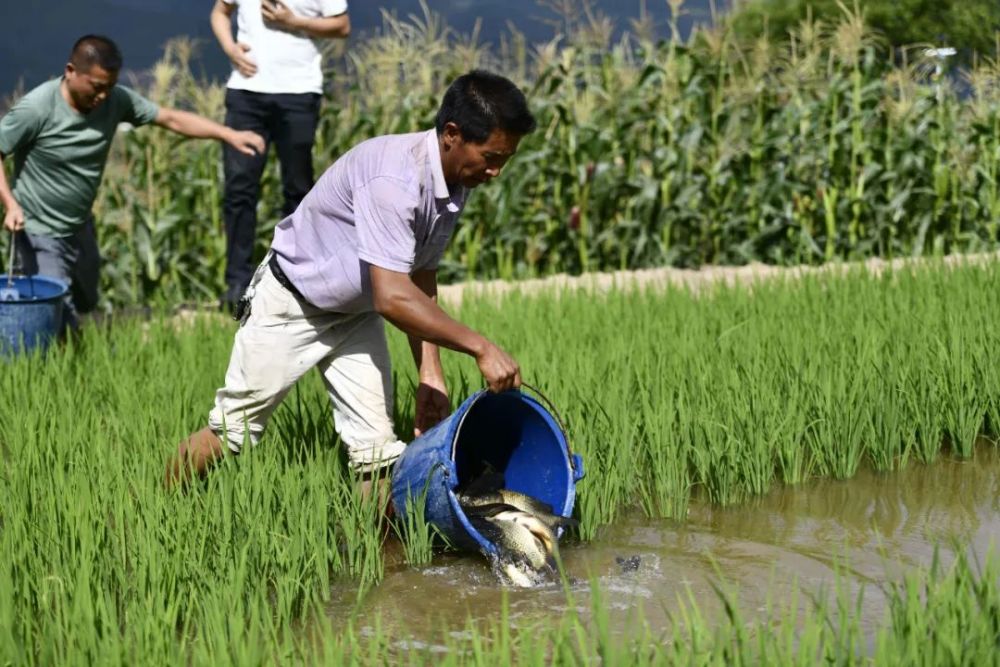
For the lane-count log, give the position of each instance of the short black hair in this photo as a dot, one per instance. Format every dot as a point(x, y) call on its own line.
point(480, 102)
point(92, 50)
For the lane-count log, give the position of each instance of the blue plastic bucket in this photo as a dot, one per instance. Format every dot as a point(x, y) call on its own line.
point(32, 319)
point(512, 432)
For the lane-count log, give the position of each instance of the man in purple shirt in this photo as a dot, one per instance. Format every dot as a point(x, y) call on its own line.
point(364, 247)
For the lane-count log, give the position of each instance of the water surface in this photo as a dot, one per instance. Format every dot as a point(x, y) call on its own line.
point(871, 529)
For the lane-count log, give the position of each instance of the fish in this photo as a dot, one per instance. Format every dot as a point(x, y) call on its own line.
point(629, 563)
point(520, 501)
point(523, 529)
point(520, 537)
point(488, 489)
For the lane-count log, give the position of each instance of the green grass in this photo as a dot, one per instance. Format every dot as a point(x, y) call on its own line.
point(666, 395)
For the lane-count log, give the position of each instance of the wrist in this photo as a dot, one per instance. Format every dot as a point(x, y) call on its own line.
point(430, 371)
point(479, 345)
point(431, 376)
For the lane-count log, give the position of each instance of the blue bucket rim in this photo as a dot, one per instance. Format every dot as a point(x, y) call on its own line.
point(547, 408)
point(63, 287)
point(571, 460)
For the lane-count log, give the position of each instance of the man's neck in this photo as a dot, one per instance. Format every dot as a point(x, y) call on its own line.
point(64, 91)
point(450, 179)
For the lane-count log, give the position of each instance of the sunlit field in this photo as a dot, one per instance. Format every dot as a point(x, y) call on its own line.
point(710, 151)
point(670, 397)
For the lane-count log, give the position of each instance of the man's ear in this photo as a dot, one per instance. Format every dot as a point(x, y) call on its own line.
point(452, 135)
point(70, 69)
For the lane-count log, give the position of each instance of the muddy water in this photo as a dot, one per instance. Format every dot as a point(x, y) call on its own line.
point(870, 528)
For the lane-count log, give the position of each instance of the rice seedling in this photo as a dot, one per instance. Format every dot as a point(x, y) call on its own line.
point(667, 395)
point(943, 615)
point(416, 534)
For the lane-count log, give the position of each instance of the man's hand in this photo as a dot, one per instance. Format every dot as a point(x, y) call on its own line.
point(246, 141)
point(499, 369)
point(240, 60)
point(432, 406)
point(278, 13)
point(13, 219)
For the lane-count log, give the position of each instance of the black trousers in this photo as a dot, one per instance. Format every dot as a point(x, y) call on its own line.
point(289, 122)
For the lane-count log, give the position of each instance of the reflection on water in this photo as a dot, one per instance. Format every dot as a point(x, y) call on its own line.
point(869, 528)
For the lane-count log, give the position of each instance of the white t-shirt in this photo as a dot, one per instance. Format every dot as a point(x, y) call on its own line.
point(286, 62)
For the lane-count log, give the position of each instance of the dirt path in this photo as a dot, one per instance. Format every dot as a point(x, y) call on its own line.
point(693, 279)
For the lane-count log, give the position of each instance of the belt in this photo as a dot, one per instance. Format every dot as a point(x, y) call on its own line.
point(280, 276)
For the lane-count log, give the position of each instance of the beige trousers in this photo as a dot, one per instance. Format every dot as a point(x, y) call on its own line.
point(280, 341)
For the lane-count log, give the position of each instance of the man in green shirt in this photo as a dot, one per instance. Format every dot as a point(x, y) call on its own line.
point(60, 134)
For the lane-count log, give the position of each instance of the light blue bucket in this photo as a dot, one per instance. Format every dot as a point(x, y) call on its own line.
point(511, 431)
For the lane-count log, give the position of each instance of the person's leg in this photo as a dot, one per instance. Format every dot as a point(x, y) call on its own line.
point(377, 485)
point(296, 118)
point(25, 257)
point(244, 111)
point(86, 269)
point(279, 343)
point(53, 257)
point(358, 377)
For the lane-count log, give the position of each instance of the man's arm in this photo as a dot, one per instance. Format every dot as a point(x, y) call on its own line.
point(321, 27)
point(19, 128)
point(199, 127)
point(432, 404)
point(410, 309)
point(427, 356)
point(222, 26)
point(13, 217)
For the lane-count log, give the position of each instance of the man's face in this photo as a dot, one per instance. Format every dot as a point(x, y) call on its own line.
point(89, 89)
point(470, 164)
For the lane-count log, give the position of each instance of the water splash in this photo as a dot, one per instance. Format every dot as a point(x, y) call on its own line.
point(518, 574)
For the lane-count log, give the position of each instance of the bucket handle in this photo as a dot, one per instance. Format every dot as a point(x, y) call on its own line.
point(10, 260)
point(573, 459)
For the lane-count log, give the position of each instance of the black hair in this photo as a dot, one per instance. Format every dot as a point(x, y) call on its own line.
point(480, 102)
point(92, 50)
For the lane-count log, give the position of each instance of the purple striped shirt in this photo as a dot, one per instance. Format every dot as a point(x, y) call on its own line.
point(383, 203)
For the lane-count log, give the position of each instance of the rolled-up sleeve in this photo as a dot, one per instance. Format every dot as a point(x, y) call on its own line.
point(385, 210)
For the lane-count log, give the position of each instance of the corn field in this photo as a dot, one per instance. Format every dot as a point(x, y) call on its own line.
point(649, 153)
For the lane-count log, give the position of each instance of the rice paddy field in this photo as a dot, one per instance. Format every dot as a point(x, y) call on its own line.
point(687, 408)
